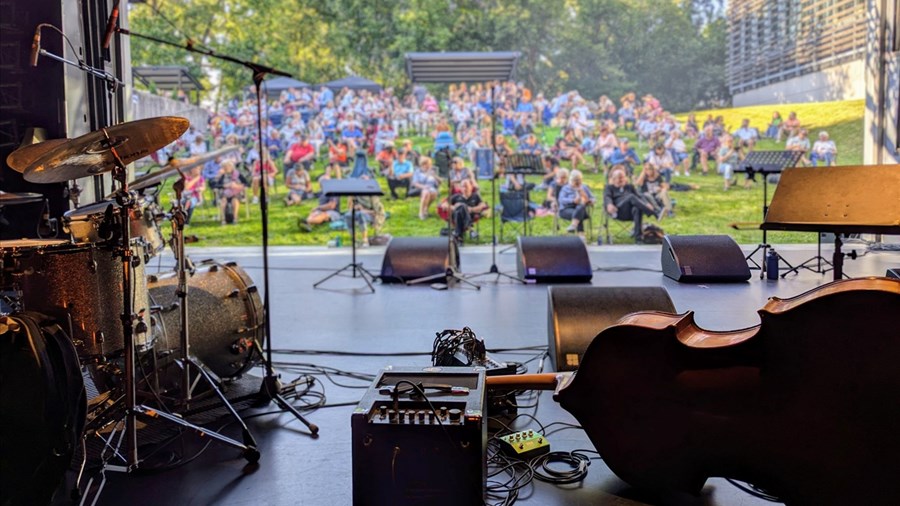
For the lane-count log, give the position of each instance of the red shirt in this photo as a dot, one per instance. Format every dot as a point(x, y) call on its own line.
point(299, 150)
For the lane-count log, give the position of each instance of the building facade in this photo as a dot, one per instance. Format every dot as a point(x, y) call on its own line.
point(782, 51)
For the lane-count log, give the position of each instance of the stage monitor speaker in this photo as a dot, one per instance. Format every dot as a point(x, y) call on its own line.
point(576, 314)
point(409, 258)
point(553, 260)
point(703, 258)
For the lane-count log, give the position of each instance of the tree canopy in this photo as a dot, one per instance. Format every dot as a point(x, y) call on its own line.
point(674, 49)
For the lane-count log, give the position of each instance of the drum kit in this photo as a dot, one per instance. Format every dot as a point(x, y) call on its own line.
point(84, 310)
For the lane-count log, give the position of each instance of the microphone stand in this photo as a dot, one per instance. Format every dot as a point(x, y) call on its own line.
point(271, 389)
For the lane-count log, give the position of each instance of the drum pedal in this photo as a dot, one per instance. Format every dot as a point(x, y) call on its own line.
point(524, 445)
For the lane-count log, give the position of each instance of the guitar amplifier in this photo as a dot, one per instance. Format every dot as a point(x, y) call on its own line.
point(410, 450)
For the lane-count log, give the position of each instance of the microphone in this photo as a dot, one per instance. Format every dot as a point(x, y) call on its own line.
point(36, 46)
point(111, 25)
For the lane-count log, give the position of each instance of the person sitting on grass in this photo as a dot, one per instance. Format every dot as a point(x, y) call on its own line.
point(824, 150)
point(678, 149)
point(574, 200)
point(622, 202)
point(531, 146)
point(662, 160)
point(270, 170)
point(232, 185)
point(399, 174)
point(625, 157)
point(385, 158)
point(568, 148)
point(192, 196)
point(300, 152)
point(790, 127)
point(727, 159)
point(800, 142)
point(369, 213)
point(774, 127)
point(560, 180)
point(329, 209)
point(746, 136)
point(655, 190)
point(428, 183)
point(707, 146)
point(299, 186)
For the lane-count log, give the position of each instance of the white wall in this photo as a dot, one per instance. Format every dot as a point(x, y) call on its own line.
point(881, 142)
point(841, 82)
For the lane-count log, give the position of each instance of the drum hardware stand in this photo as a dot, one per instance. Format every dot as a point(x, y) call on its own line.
point(132, 409)
point(270, 389)
point(818, 259)
point(764, 246)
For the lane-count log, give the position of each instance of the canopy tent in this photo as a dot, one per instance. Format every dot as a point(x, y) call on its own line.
point(169, 78)
point(353, 83)
point(279, 84)
point(461, 67)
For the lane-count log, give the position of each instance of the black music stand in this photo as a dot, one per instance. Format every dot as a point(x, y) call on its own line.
point(863, 199)
point(351, 188)
point(765, 163)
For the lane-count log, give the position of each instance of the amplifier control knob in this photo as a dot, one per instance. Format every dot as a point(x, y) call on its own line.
point(382, 411)
point(421, 415)
point(443, 411)
point(455, 415)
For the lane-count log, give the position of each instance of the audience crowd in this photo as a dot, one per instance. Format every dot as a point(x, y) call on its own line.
point(346, 130)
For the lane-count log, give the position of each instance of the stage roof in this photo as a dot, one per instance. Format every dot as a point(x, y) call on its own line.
point(461, 67)
point(353, 83)
point(167, 78)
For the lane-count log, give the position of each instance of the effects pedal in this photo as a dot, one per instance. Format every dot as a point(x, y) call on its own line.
point(525, 444)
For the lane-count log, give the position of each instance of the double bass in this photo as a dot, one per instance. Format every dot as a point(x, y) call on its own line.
point(805, 405)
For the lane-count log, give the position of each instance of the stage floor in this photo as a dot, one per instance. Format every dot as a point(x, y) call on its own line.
point(297, 469)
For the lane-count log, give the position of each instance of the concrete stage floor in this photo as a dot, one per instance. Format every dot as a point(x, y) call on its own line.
point(296, 469)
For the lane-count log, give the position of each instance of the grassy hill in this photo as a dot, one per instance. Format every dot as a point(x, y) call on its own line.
point(708, 210)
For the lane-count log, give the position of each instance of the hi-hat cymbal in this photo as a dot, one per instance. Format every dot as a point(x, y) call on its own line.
point(26, 155)
point(91, 154)
point(172, 168)
point(11, 199)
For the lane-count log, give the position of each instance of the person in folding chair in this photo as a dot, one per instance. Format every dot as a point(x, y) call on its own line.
point(621, 201)
point(575, 201)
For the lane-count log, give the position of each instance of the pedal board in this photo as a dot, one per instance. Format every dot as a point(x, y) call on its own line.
point(525, 444)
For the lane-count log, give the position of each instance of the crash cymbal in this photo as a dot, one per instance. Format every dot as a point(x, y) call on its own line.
point(26, 155)
point(92, 153)
point(172, 168)
point(11, 199)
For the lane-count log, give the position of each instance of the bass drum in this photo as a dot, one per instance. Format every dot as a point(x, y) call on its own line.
point(225, 314)
point(42, 407)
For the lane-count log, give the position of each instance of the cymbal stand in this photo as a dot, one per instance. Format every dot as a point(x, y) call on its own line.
point(130, 458)
point(187, 361)
point(271, 387)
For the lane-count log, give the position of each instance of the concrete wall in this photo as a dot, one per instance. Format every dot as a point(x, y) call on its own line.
point(841, 82)
point(147, 105)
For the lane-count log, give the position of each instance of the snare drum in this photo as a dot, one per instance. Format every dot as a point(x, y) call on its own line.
point(90, 224)
point(81, 286)
point(225, 314)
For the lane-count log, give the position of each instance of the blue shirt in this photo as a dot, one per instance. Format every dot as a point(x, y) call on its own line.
point(401, 168)
point(618, 156)
point(568, 193)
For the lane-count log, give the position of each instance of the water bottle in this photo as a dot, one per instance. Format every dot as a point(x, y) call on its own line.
point(772, 265)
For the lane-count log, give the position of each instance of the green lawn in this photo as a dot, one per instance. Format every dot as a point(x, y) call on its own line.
point(708, 210)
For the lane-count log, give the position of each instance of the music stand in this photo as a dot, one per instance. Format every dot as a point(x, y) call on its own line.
point(765, 163)
point(351, 188)
point(842, 200)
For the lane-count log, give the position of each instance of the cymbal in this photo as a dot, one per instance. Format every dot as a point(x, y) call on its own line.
point(11, 199)
point(91, 154)
point(172, 168)
point(26, 155)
